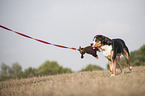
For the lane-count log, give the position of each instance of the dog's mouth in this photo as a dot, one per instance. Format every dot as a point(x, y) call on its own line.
point(99, 44)
point(96, 43)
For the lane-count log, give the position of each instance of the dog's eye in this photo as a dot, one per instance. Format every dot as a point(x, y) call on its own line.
point(96, 40)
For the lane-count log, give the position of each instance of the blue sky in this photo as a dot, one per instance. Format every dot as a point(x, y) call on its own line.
point(72, 23)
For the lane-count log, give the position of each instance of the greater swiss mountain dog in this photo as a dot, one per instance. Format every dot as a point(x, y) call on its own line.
point(112, 50)
point(89, 50)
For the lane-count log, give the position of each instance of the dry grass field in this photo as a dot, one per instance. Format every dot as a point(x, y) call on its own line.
point(95, 83)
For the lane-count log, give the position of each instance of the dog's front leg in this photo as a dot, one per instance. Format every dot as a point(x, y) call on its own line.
point(118, 61)
point(110, 65)
point(114, 68)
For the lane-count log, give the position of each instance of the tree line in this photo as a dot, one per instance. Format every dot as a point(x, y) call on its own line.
point(47, 68)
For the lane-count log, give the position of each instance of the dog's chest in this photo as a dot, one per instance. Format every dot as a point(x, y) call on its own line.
point(106, 50)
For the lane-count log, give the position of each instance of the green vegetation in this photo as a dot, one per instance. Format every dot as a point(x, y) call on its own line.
point(51, 68)
point(47, 68)
point(92, 68)
point(137, 57)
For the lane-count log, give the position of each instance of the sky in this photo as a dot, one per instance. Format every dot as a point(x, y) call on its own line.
point(71, 23)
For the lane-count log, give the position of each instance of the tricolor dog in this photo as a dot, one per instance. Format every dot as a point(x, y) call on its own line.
point(112, 50)
point(89, 50)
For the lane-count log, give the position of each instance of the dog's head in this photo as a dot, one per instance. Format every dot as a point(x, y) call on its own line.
point(97, 41)
point(100, 40)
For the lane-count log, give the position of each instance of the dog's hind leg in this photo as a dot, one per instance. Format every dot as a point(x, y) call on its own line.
point(126, 55)
point(118, 61)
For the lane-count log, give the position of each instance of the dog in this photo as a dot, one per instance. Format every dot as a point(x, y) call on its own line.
point(89, 50)
point(112, 50)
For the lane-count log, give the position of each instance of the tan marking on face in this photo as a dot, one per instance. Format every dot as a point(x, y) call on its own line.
point(96, 43)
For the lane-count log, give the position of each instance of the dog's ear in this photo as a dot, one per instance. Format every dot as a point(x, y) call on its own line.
point(106, 41)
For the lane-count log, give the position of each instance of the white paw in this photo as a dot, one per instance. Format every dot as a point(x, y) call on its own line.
point(130, 68)
point(122, 72)
point(112, 75)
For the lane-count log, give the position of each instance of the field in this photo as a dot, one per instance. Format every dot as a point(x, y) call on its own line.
point(95, 83)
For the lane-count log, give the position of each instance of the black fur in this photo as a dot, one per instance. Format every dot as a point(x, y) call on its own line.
point(118, 45)
point(104, 40)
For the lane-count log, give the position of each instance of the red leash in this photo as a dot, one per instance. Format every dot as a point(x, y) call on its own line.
point(37, 39)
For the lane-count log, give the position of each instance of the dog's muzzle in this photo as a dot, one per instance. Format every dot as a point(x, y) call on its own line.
point(93, 44)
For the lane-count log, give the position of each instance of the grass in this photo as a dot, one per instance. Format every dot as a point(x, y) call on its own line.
point(95, 83)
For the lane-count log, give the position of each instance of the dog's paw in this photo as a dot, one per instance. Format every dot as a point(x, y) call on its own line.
point(130, 68)
point(112, 75)
point(122, 73)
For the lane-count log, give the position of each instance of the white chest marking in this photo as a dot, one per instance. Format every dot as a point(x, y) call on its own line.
point(106, 50)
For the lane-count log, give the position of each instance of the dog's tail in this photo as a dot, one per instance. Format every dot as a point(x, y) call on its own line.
point(125, 47)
